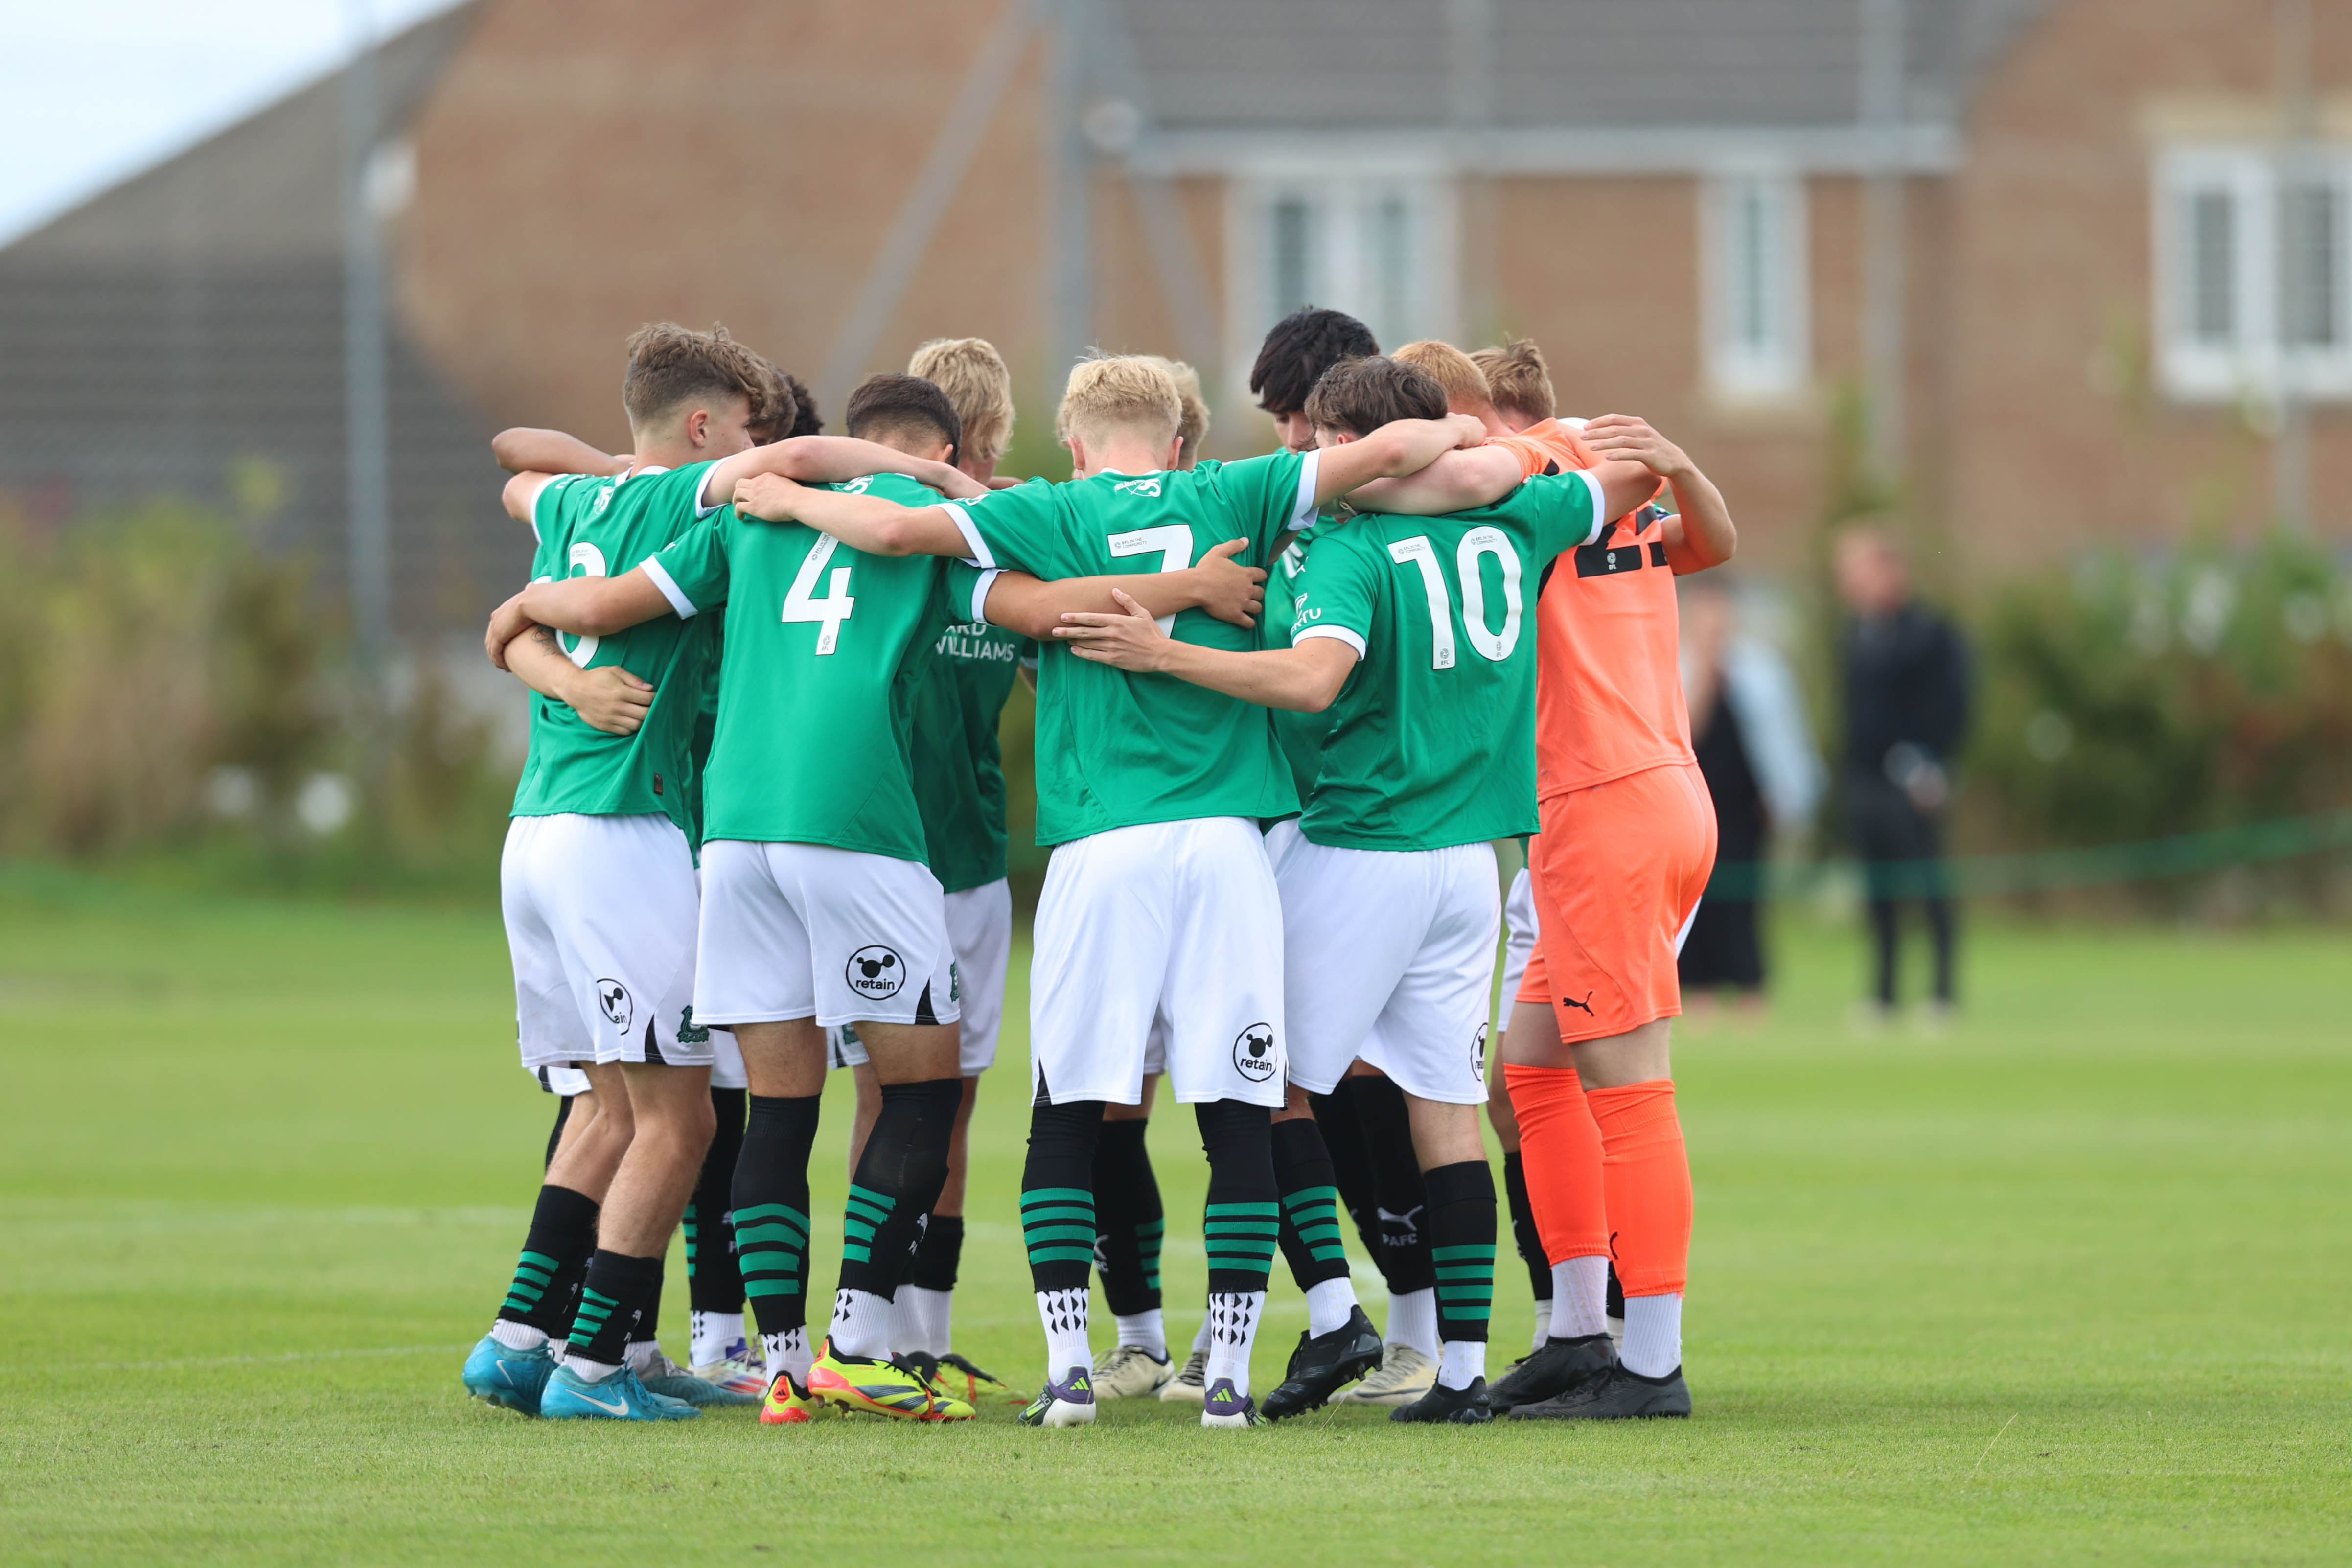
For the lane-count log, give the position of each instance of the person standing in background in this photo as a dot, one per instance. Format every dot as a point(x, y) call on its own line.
point(1762, 771)
point(1904, 673)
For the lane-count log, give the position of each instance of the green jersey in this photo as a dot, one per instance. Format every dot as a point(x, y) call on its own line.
point(1300, 735)
point(959, 762)
point(1433, 738)
point(1116, 749)
point(591, 526)
point(826, 650)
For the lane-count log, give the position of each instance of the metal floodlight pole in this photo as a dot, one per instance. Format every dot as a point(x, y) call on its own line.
point(927, 200)
point(1470, 99)
point(2291, 180)
point(1070, 305)
point(366, 463)
point(1167, 232)
point(1880, 95)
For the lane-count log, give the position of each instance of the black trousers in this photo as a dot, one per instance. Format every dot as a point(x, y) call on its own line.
point(1901, 850)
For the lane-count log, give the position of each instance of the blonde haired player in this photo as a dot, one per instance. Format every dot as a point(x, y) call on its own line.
point(973, 376)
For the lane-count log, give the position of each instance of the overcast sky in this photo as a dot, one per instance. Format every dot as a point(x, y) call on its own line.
point(94, 91)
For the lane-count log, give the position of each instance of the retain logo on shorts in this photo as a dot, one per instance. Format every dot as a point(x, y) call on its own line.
point(614, 998)
point(876, 972)
point(1254, 1053)
point(1479, 1056)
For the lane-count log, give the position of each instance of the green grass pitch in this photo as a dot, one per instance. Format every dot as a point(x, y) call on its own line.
point(2072, 1283)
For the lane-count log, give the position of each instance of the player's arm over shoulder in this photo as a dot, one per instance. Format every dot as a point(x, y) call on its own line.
point(829, 459)
point(1219, 584)
point(875, 524)
point(1306, 677)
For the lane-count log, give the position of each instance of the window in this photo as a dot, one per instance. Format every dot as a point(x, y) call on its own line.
point(1753, 230)
point(2253, 272)
point(1379, 248)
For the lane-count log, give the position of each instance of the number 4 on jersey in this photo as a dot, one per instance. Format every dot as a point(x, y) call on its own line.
point(830, 611)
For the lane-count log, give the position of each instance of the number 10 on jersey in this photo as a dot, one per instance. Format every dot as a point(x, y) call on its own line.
point(830, 611)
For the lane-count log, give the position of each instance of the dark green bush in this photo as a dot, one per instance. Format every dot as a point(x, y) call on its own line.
point(2135, 699)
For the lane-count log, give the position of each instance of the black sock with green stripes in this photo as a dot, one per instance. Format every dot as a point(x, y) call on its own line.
point(1130, 1220)
point(1310, 1204)
point(770, 1195)
point(613, 1302)
point(1352, 1161)
point(899, 1174)
point(1462, 1255)
point(1240, 1228)
point(555, 1254)
point(1057, 1225)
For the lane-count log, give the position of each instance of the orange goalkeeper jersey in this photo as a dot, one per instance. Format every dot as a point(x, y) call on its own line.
point(1608, 687)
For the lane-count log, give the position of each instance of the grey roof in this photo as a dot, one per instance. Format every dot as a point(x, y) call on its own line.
point(1215, 65)
point(191, 317)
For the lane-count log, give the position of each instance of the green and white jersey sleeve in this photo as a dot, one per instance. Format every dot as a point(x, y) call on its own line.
point(1114, 749)
point(594, 526)
point(1432, 739)
point(826, 650)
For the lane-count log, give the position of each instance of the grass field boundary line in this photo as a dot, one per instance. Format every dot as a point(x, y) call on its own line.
point(285, 1356)
point(1988, 1447)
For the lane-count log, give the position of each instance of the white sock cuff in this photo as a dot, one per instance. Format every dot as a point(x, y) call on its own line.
point(1461, 1363)
point(1580, 1290)
point(1654, 1334)
point(861, 1322)
point(1148, 1329)
point(1412, 1321)
point(516, 1336)
point(1328, 1302)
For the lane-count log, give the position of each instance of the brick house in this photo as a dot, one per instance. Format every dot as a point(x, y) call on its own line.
point(2090, 254)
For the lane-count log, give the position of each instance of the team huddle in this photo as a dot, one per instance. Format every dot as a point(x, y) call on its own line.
point(1286, 706)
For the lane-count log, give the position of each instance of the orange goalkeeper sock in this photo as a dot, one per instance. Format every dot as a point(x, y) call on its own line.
point(1646, 1175)
point(1559, 1151)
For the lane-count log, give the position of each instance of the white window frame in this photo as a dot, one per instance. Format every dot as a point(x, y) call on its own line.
point(1756, 296)
point(1345, 210)
point(2251, 361)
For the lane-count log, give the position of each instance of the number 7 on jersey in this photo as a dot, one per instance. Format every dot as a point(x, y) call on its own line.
point(1173, 542)
point(830, 611)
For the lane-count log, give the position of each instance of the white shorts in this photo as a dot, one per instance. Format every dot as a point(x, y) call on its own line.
point(1388, 955)
point(726, 1061)
point(1173, 924)
point(564, 1081)
point(599, 915)
point(980, 930)
point(1518, 935)
point(796, 931)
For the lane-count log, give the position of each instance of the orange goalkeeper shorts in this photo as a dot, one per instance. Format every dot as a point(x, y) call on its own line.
point(1617, 872)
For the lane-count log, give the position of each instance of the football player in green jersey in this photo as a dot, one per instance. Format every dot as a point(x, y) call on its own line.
point(597, 882)
point(611, 698)
point(960, 789)
point(1159, 911)
point(818, 908)
point(1390, 898)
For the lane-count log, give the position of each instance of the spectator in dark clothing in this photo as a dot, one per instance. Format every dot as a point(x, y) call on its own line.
point(1904, 672)
point(1762, 769)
